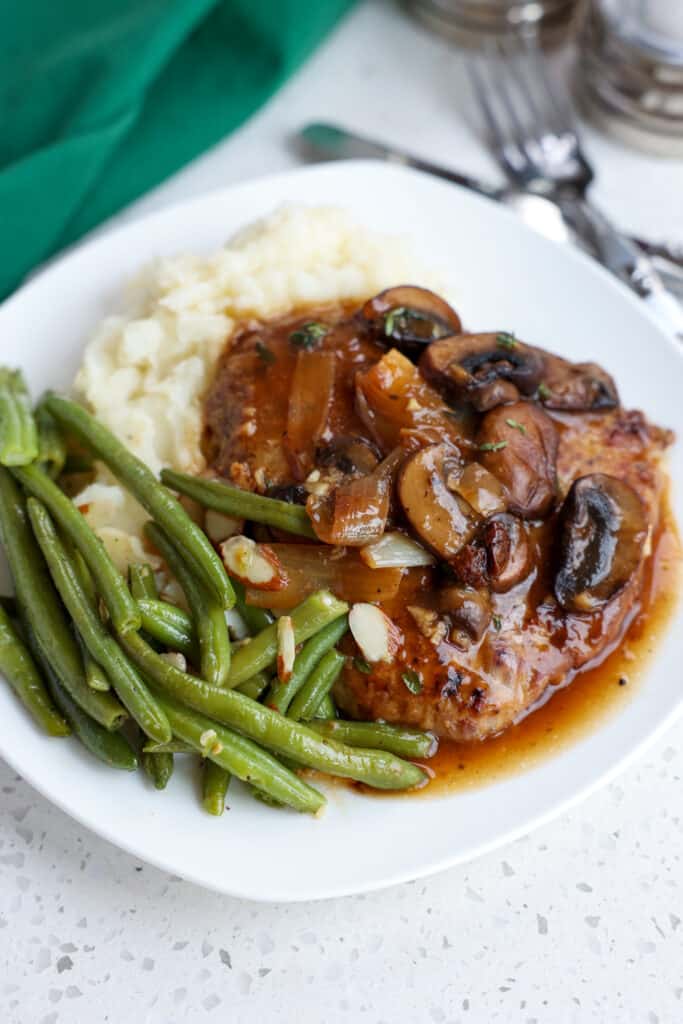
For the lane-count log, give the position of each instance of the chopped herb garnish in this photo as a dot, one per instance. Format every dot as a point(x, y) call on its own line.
point(497, 623)
point(308, 336)
point(412, 680)
point(264, 352)
point(400, 318)
point(543, 390)
point(362, 665)
point(516, 425)
point(506, 340)
point(493, 446)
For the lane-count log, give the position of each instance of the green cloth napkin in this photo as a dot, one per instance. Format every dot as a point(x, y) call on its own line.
point(102, 99)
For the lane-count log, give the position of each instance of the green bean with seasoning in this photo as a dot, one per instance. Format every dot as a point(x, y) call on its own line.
point(208, 615)
point(21, 672)
point(170, 626)
point(240, 757)
point(39, 604)
point(18, 433)
point(192, 544)
point(308, 618)
point(232, 501)
point(101, 646)
point(158, 766)
point(317, 686)
point(397, 739)
point(269, 728)
point(326, 708)
point(110, 583)
point(280, 695)
point(215, 782)
point(51, 443)
point(143, 585)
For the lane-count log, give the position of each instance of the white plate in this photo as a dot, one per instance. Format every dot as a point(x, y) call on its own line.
point(506, 277)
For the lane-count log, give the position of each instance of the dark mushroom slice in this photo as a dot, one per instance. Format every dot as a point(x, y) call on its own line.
point(518, 444)
point(469, 611)
point(350, 455)
point(577, 387)
point(603, 530)
point(444, 521)
point(508, 552)
point(484, 369)
point(408, 318)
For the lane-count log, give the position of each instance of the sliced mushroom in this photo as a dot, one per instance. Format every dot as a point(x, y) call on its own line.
point(408, 318)
point(469, 611)
point(480, 489)
point(350, 455)
point(508, 552)
point(442, 519)
point(484, 369)
point(603, 534)
point(577, 387)
point(518, 444)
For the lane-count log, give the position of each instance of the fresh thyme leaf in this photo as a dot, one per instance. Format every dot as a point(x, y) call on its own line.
point(412, 680)
point(308, 335)
point(493, 446)
point(543, 390)
point(264, 352)
point(516, 425)
point(400, 318)
point(506, 340)
point(497, 623)
point(362, 665)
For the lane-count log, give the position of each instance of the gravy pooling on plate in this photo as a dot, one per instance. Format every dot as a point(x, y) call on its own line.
point(495, 501)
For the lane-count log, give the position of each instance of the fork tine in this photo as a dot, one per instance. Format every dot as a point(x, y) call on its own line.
point(481, 94)
point(501, 66)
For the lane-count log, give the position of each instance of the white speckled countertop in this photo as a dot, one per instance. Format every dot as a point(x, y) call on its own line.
point(582, 921)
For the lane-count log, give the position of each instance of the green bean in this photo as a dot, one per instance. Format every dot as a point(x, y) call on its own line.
point(255, 686)
point(280, 695)
point(308, 618)
point(269, 728)
point(111, 747)
point(255, 619)
point(101, 646)
point(208, 615)
point(170, 626)
point(215, 782)
point(239, 756)
point(110, 583)
point(411, 743)
point(317, 686)
point(51, 444)
point(39, 604)
point(325, 708)
point(158, 767)
point(95, 676)
point(143, 584)
point(21, 672)
point(191, 542)
point(232, 501)
point(172, 747)
point(18, 433)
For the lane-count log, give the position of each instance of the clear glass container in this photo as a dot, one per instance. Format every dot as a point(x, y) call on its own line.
point(470, 22)
point(629, 71)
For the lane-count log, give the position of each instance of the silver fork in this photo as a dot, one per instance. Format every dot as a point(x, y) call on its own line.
point(533, 134)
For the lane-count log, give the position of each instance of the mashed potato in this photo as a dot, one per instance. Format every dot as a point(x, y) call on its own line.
point(145, 371)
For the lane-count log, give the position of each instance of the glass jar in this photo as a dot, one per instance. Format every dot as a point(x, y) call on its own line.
point(629, 71)
point(470, 22)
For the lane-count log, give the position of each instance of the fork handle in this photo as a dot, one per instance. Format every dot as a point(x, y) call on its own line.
point(620, 254)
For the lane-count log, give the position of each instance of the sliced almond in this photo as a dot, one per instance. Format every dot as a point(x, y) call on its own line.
point(376, 635)
point(220, 527)
point(254, 565)
point(176, 659)
point(236, 625)
point(286, 648)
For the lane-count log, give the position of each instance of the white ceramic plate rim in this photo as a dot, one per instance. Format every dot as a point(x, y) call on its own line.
point(375, 193)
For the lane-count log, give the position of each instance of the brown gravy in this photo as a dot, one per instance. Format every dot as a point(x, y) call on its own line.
point(569, 712)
